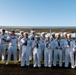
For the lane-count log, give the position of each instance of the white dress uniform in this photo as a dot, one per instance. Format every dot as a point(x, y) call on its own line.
point(20, 47)
point(36, 53)
point(32, 39)
point(12, 48)
point(58, 52)
point(26, 47)
point(69, 53)
point(52, 40)
point(75, 50)
point(3, 46)
point(42, 40)
point(63, 53)
point(64, 39)
point(48, 54)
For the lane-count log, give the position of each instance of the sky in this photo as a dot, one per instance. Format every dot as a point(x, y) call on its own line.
point(37, 12)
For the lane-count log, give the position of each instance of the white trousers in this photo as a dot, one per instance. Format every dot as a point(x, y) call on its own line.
point(72, 59)
point(25, 56)
point(56, 54)
point(20, 52)
point(36, 59)
point(2, 51)
point(12, 50)
point(31, 54)
point(63, 55)
point(67, 55)
point(48, 58)
point(75, 58)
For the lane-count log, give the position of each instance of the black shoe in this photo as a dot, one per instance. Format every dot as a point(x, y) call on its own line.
point(49, 67)
point(39, 67)
point(45, 67)
point(66, 67)
point(27, 66)
point(19, 61)
point(60, 66)
point(54, 67)
point(22, 66)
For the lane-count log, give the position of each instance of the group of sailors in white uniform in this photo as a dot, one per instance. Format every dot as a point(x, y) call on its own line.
point(32, 47)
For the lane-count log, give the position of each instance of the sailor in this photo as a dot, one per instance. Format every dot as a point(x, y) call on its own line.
point(32, 38)
point(48, 52)
point(75, 51)
point(69, 52)
point(20, 44)
point(12, 48)
point(32, 35)
point(64, 40)
point(36, 52)
point(53, 36)
point(26, 47)
point(52, 39)
point(42, 40)
point(58, 50)
point(3, 38)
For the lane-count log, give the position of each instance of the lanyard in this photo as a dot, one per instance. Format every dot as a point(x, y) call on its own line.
point(58, 42)
point(33, 38)
point(69, 42)
point(37, 44)
point(26, 41)
point(75, 41)
point(47, 44)
point(21, 37)
point(52, 39)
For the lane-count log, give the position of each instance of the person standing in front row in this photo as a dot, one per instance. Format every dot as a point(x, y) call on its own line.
point(75, 51)
point(52, 38)
point(48, 52)
point(42, 40)
point(3, 38)
point(36, 52)
point(12, 48)
point(69, 52)
point(26, 47)
point(64, 40)
point(58, 50)
point(20, 44)
point(32, 38)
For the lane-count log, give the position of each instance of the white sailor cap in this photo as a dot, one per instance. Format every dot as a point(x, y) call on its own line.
point(47, 36)
point(43, 33)
point(25, 33)
point(65, 33)
point(21, 31)
point(37, 36)
point(57, 34)
point(53, 33)
point(68, 34)
point(32, 31)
